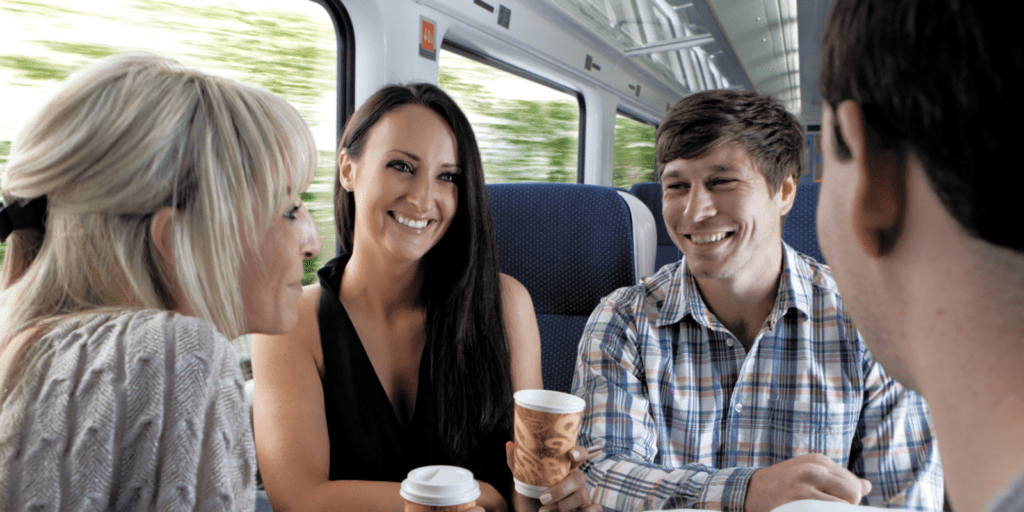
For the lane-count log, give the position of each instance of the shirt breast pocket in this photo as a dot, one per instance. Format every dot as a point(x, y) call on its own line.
point(798, 427)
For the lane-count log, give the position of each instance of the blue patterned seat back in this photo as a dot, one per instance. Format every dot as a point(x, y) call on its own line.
point(801, 229)
point(570, 245)
point(650, 194)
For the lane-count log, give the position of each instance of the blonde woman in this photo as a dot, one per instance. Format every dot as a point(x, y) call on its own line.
point(151, 212)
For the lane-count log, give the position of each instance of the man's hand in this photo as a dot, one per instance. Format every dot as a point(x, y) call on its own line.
point(808, 477)
point(571, 494)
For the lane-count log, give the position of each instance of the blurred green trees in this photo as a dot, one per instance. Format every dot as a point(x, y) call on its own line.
point(634, 152)
point(282, 51)
point(536, 139)
point(519, 139)
point(293, 54)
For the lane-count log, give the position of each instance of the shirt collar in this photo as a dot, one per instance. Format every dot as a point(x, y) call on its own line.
point(796, 287)
point(683, 297)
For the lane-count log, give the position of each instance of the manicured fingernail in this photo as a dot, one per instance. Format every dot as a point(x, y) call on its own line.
point(576, 455)
point(545, 498)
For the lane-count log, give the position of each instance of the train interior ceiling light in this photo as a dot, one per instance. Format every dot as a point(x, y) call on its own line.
point(713, 44)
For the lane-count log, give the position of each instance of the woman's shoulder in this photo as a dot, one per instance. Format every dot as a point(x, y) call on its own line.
point(511, 288)
point(515, 298)
point(137, 355)
point(147, 329)
point(307, 327)
point(121, 342)
point(110, 322)
point(303, 339)
point(110, 359)
point(310, 299)
point(523, 334)
point(163, 376)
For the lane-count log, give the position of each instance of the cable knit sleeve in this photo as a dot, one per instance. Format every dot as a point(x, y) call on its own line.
point(133, 411)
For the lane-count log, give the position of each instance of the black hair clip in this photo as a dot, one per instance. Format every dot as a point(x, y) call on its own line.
point(22, 214)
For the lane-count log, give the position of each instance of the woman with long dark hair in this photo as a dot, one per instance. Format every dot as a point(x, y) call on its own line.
point(408, 351)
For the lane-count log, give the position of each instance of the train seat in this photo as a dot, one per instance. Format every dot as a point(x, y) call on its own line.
point(801, 229)
point(650, 194)
point(570, 245)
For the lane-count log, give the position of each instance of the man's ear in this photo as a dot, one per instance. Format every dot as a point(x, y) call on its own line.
point(160, 231)
point(787, 194)
point(880, 200)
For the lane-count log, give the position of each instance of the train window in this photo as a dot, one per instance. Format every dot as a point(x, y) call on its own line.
point(526, 131)
point(634, 152)
point(286, 46)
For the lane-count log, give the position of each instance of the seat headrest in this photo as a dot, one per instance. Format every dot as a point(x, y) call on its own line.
point(650, 194)
point(569, 244)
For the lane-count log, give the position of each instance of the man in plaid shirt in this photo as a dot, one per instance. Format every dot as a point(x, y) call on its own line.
point(733, 379)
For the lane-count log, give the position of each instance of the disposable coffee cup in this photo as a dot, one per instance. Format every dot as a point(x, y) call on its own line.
point(546, 426)
point(440, 489)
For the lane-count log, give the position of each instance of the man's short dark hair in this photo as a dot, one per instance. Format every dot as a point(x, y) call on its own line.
point(704, 121)
point(939, 81)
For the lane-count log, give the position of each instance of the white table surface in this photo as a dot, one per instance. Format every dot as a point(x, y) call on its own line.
point(811, 506)
point(823, 506)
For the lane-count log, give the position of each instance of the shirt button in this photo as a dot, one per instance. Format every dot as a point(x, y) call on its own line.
point(730, 341)
point(738, 408)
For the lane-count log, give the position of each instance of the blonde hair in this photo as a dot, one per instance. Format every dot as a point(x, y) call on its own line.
point(123, 138)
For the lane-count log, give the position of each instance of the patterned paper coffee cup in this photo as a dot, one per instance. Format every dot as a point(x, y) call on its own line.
point(440, 489)
point(546, 426)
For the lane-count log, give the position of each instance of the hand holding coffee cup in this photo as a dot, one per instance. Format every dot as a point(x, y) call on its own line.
point(571, 493)
point(440, 489)
point(546, 426)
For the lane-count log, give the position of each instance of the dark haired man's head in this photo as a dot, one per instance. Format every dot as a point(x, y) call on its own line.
point(706, 120)
point(939, 82)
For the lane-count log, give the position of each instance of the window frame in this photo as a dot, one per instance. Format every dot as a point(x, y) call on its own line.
point(487, 60)
point(345, 39)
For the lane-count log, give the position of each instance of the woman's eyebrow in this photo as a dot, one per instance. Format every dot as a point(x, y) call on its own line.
point(408, 154)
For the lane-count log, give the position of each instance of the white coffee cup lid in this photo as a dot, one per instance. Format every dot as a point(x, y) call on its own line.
point(440, 486)
point(545, 400)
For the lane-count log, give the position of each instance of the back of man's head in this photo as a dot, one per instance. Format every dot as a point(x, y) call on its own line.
point(940, 81)
point(704, 121)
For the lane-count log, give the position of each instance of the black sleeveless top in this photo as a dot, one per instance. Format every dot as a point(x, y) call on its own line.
point(367, 440)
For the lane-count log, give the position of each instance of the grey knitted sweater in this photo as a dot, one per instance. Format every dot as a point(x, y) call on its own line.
point(128, 411)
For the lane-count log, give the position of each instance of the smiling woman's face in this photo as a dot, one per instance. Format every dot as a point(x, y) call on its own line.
point(405, 184)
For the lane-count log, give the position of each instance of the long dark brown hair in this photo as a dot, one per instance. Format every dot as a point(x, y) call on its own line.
point(470, 360)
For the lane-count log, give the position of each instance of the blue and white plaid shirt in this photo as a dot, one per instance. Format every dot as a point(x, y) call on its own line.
point(685, 416)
